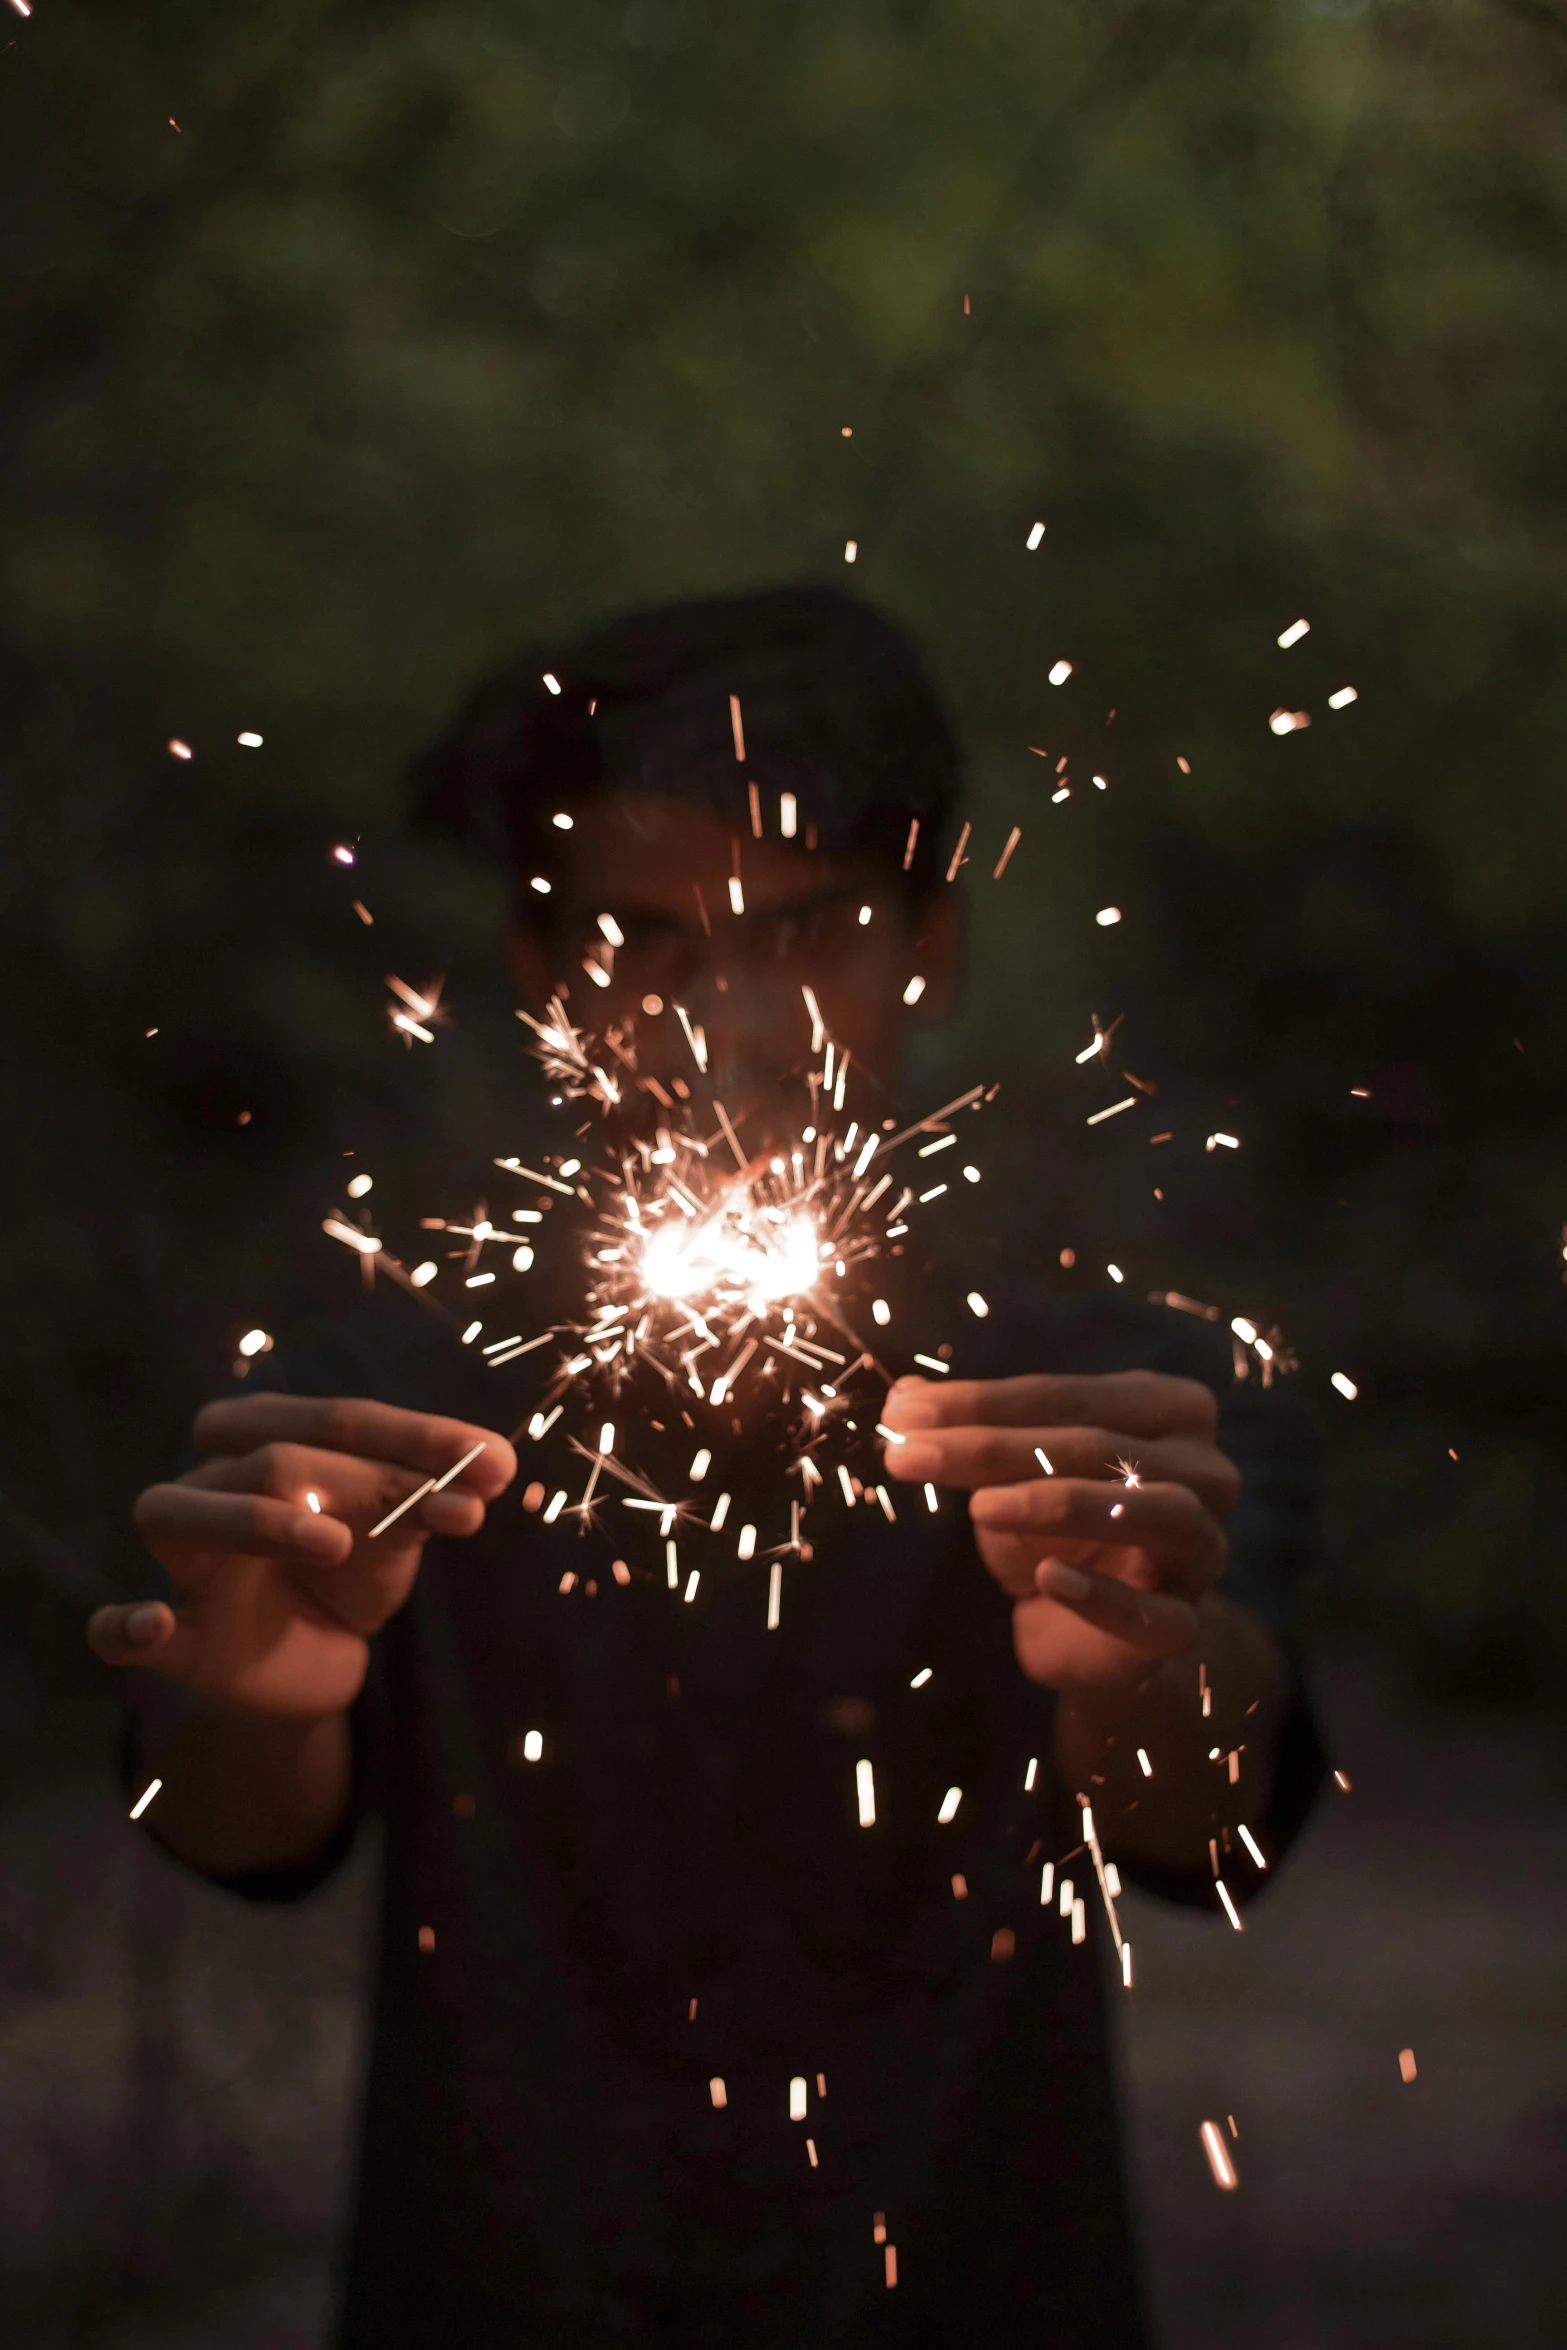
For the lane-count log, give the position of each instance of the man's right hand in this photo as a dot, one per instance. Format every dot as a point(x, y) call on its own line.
point(275, 1604)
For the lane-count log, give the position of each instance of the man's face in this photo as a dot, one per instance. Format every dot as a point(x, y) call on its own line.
point(662, 872)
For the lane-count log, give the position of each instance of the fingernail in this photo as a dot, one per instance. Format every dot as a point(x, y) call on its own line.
point(143, 1622)
point(322, 1535)
point(916, 1461)
point(1059, 1581)
point(995, 1505)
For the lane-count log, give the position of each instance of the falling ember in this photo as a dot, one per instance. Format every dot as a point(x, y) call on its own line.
point(1060, 672)
point(1406, 2056)
point(737, 727)
point(1343, 1782)
point(1013, 837)
point(797, 2095)
point(1223, 2169)
point(179, 750)
point(1345, 1385)
point(1034, 536)
point(788, 814)
point(891, 2255)
point(145, 1797)
point(1342, 699)
point(865, 1794)
point(949, 1805)
point(1293, 634)
point(1289, 721)
point(914, 990)
point(851, 550)
point(718, 2093)
point(1230, 1910)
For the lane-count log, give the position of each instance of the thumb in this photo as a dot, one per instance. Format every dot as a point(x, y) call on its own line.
point(145, 1633)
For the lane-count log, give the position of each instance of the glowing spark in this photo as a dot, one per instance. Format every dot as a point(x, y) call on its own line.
point(718, 2093)
point(540, 884)
point(1034, 536)
point(851, 550)
point(788, 814)
point(1013, 837)
point(1143, 1764)
point(1060, 671)
point(313, 1504)
point(934, 1363)
point(736, 895)
point(774, 1594)
point(797, 2099)
point(254, 1342)
point(1342, 699)
point(914, 990)
point(1345, 1385)
point(1230, 1910)
point(533, 1746)
point(1252, 1846)
point(720, 1513)
point(949, 1806)
point(1228, 1142)
point(977, 1305)
point(958, 857)
point(1031, 1774)
point(908, 847)
point(1293, 634)
point(1289, 721)
point(921, 1678)
point(865, 1793)
point(350, 1236)
point(931, 1501)
point(1406, 2056)
point(1043, 1459)
point(943, 1142)
point(1107, 917)
point(178, 749)
point(1115, 1273)
point(1218, 2157)
point(737, 727)
point(147, 1794)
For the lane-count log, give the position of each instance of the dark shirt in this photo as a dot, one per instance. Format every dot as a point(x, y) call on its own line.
point(543, 2164)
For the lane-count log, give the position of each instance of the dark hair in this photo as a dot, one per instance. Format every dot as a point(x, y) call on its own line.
point(835, 706)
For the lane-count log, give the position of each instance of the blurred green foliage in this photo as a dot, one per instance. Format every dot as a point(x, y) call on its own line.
point(350, 347)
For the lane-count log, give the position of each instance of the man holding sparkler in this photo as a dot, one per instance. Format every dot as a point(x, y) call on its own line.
point(735, 1989)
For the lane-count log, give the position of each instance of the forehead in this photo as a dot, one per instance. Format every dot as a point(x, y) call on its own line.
point(632, 850)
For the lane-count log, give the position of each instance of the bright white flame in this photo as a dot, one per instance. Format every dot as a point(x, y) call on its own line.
point(727, 1253)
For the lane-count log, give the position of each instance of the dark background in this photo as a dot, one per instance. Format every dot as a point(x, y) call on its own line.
point(432, 329)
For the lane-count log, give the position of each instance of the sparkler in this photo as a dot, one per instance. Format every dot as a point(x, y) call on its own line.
point(724, 1287)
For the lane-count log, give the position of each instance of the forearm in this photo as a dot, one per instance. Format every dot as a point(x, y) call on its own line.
point(243, 1792)
point(1168, 1816)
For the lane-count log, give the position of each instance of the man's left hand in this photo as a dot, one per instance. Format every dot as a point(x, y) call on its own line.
point(1109, 1552)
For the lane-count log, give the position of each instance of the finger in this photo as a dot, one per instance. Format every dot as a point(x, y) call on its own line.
point(971, 1457)
point(181, 1522)
point(1146, 1623)
point(1145, 1403)
point(358, 1491)
point(143, 1633)
point(348, 1424)
point(1167, 1522)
